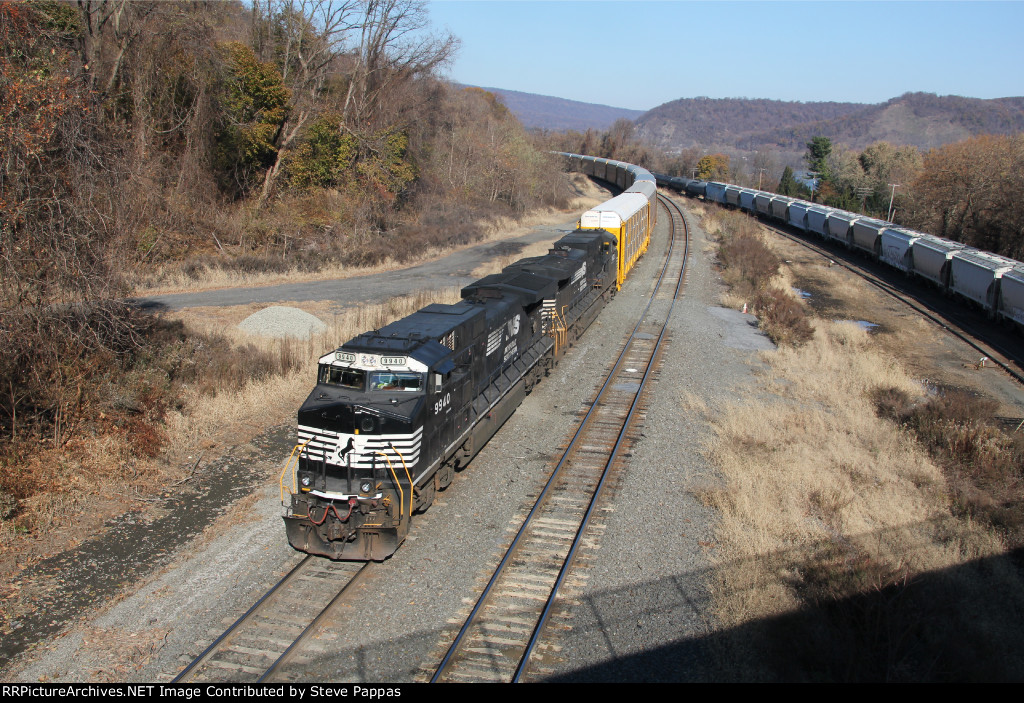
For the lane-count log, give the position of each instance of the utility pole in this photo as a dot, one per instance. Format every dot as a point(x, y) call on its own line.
point(892, 196)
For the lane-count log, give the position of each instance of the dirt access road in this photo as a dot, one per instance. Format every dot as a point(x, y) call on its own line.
point(454, 270)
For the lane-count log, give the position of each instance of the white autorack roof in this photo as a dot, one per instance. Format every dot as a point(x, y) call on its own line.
point(614, 212)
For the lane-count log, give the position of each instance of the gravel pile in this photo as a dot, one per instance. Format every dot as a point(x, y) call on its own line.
point(283, 321)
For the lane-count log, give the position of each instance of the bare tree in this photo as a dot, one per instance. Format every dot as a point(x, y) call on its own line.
point(109, 28)
point(392, 50)
point(308, 40)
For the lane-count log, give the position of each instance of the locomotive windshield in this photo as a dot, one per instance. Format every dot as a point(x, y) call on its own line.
point(346, 378)
point(356, 379)
point(396, 381)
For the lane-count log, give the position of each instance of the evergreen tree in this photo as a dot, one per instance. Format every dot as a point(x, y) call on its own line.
point(787, 184)
point(818, 151)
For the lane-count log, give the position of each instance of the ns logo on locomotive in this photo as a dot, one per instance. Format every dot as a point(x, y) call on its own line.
point(396, 411)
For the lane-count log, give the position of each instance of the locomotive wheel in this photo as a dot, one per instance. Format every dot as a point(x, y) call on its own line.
point(425, 496)
point(443, 477)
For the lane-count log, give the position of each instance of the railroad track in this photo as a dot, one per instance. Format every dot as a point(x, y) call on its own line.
point(504, 638)
point(259, 645)
point(963, 327)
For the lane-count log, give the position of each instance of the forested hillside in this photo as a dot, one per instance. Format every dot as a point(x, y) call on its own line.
point(143, 138)
point(709, 122)
point(923, 120)
point(546, 112)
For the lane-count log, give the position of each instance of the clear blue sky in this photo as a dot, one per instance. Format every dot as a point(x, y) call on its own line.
point(816, 50)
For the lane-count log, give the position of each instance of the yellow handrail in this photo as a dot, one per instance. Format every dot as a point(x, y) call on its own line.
point(562, 329)
point(295, 488)
point(411, 488)
point(401, 493)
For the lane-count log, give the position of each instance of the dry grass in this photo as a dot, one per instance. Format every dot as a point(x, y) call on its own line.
point(840, 556)
point(756, 278)
point(870, 529)
point(850, 546)
point(840, 469)
point(837, 533)
point(983, 463)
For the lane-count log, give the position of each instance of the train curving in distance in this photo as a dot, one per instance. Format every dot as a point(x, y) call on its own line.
point(396, 411)
point(993, 283)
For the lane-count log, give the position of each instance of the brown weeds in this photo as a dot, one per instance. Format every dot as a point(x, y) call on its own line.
point(750, 269)
point(870, 528)
point(983, 462)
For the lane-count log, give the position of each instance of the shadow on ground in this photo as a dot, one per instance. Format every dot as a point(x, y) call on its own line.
point(964, 623)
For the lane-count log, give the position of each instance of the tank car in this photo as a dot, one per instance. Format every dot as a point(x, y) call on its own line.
point(697, 188)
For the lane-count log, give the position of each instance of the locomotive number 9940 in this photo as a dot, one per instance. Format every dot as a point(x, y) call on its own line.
point(371, 453)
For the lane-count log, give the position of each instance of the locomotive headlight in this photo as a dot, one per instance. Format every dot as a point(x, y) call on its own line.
point(367, 424)
point(305, 480)
point(366, 486)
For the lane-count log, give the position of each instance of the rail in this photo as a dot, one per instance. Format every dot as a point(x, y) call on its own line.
point(602, 407)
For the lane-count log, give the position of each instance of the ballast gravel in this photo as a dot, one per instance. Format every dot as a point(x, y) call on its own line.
point(639, 608)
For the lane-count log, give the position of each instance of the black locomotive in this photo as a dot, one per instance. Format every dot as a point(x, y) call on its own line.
point(397, 411)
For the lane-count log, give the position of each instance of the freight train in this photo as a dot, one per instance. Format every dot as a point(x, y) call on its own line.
point(396, 411)
point(991, 282)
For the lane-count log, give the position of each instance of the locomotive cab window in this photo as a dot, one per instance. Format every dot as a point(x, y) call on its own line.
point(346, 378)
point(405, 381)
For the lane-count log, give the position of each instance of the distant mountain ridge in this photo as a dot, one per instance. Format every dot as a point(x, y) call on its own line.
point(709, 122)
point(924, 120)
point(547, 112)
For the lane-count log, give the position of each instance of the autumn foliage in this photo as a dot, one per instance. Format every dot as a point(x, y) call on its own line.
point(971, 192)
